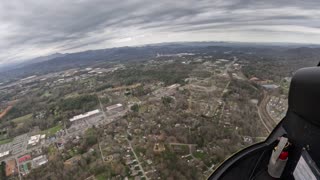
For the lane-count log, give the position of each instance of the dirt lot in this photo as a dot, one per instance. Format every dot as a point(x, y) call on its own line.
point(3, 113)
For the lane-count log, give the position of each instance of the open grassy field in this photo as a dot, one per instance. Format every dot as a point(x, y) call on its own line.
point(22, 119)
point(53, 130)
point(5, 141)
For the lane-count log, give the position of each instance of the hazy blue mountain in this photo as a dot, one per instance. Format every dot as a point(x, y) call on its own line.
point(58, 62)
point(16, 65)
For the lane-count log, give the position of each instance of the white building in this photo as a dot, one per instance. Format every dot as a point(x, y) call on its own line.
point(4, 154)
point(34, 140)
point(86, 115)
point(114, 108)
point(40, 160)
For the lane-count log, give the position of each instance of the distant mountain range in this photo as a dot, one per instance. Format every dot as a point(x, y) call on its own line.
point(58, 62)
point(43, 58)
point(17, 65)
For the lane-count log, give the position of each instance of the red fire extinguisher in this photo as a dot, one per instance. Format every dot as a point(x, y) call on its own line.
point(278, 159)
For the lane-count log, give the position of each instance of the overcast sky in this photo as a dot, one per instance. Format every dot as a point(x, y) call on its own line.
point(31, 28)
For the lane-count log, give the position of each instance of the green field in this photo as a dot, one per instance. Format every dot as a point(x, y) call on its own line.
point(53, 130)
point(199, 155)
point(46, 94)
point(22, 119)
point(102, 176)
point(5, 141)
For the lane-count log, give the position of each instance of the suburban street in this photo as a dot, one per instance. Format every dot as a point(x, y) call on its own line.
point(136, 157)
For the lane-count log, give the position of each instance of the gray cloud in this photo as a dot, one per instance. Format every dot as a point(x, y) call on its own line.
point(32, 28)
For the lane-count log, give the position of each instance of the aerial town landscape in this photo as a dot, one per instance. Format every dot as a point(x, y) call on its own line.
point(172, 115)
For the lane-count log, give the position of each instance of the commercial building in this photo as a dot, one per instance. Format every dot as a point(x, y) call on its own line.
point(270, 86)
point(34, 140)
point(39, 161)
point(43, 136)
point(4, 154)
point(114, 108)
point(24, 158)
point(86, 115)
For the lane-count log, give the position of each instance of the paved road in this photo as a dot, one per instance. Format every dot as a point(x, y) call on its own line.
point(102, 109)
point(264, 116)
point(262, 120)
point(220, 99)
point(16, 159)
point(227, 69)
point(102, 157)
point(135, 155)
point(189, 146)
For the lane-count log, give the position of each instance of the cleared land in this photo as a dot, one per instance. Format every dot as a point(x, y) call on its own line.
point(3, 113)
point(22, 119)
point(53, 130)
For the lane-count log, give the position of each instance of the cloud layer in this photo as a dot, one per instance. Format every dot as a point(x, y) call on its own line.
point(32, 28)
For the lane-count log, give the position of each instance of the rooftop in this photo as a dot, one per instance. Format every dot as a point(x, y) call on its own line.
point(24, 158)
point(40, 160)
point(114, 106)
point(34, 140)
point(270, 86)
point(4, 153)
point(87, 114)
